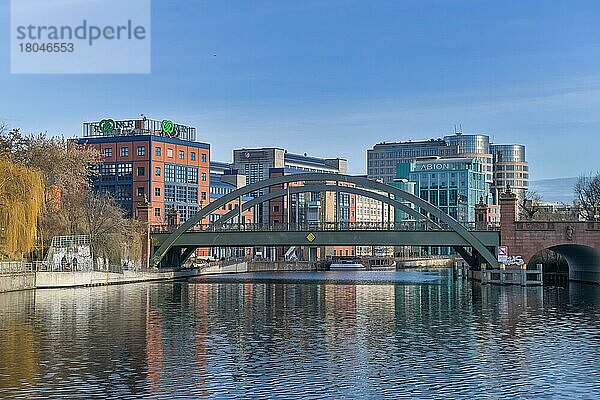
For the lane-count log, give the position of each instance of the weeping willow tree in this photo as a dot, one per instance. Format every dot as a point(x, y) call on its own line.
point(21, 203)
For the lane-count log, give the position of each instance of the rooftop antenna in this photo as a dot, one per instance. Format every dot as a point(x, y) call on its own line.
point(461, 131)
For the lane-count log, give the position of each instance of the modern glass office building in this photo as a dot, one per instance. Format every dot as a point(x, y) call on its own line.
point(510, 168)
point(501, 164)
point(469, 144)
point(455, 185)
point(383, 157)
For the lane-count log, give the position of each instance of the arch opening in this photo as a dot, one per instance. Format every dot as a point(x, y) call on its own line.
point(568, 262)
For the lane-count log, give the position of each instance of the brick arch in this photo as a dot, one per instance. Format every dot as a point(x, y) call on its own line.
point(583, 261)
point(533, 237)
point(527, 238)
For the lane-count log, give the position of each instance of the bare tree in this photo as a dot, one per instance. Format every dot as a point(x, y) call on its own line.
point(64, 164)
point(528, 207)
point(587, 191)
point(111, 233)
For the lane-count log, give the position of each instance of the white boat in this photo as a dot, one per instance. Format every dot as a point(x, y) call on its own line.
point(381, 264)
point(347, 267)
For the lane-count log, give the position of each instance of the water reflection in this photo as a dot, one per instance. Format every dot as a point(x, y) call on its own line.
point(434, 338)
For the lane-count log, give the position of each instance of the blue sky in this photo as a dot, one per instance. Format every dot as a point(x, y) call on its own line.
point(332, 78)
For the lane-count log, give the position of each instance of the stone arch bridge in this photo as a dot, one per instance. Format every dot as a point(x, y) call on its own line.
point(578, 242)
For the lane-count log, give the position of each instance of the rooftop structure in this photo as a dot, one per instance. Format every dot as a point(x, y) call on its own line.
point(141, 126)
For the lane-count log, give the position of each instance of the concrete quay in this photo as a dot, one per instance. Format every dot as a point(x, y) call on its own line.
point(50, 280)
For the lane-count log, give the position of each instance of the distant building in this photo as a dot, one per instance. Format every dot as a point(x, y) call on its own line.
point(308, 208)
point(371, 213)
point(510, 168)
point(382, 159)
point(455, 185)
point(502, 164)
point(147, 160)
point(223, 181)
point(470, 146)
point(553, 211)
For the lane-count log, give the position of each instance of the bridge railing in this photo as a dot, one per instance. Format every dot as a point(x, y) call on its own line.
point(552, 225)
point(316, 226)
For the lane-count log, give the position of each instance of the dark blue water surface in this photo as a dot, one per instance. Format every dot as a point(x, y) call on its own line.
point(352, 335)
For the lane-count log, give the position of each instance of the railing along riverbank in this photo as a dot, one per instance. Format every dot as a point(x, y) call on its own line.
point(16, 267)
point(15, 276)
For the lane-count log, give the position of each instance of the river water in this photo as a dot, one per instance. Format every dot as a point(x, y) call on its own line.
point(334, 335)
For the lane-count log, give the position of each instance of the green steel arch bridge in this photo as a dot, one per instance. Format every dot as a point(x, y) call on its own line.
point(429, 225)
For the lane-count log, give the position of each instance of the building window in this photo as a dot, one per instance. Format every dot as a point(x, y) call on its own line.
point(124, 151)
point(157, 151)
point(157, 171)
point(275, 208)
point(124, 172)
point(108, 152)
point(169, 193)
point(192, 175)
point(141, 150)
point(170, 153)
point(181, 173)
point(141, 171)
point(203, 195)
point(193, 156)
point(181, 154)
point(204, 177)
point(157, 212)
point(140, 191)
point(157, 192)
point(203, 157)
point(169, 173)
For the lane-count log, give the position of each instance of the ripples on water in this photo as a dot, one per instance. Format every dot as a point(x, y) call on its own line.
point(413, 335)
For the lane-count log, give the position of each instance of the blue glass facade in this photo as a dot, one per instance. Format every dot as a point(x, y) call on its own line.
point(455, 185)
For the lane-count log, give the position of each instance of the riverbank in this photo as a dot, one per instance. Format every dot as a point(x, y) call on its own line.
point(51, 280)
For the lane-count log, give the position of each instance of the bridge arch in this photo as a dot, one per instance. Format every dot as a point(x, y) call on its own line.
point(320, 188)
point(360, 181)
point(583, 260)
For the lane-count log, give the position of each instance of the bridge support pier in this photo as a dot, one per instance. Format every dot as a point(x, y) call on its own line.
point(176, 257)
point(472, 258)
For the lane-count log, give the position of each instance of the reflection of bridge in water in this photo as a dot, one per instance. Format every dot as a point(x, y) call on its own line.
point(428, 226)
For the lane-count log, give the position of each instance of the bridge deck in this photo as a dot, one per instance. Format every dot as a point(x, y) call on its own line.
point(325, 238)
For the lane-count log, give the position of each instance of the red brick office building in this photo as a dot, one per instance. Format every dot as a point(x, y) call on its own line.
point(148, 160)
